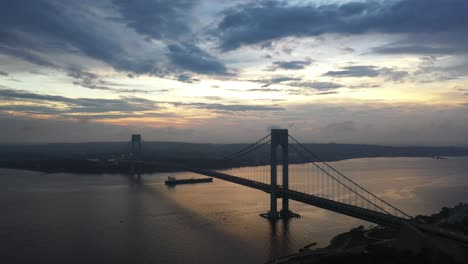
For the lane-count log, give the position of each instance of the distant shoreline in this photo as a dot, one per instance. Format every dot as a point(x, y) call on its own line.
point(91, 167)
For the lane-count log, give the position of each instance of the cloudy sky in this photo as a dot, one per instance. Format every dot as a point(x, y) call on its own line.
point(378, 72)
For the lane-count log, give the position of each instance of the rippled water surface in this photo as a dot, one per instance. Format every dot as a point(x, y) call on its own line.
point(74, 218)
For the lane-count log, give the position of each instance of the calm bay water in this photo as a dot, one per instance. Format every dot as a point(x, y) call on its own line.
point(108, 218)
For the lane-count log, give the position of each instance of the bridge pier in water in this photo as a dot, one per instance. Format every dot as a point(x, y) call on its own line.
point(279, 138)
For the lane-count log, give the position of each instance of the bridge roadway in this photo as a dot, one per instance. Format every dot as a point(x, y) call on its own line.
point(341, 208)
point(346, 209)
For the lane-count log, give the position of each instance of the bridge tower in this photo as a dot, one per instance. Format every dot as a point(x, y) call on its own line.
point(279, 138)
point(135, 158)
point(136, 146)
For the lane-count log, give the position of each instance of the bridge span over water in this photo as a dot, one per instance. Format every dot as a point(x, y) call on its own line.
point(317, 183)
point(287, 194)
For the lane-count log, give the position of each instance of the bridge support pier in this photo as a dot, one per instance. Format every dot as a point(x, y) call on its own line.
point(279, 137)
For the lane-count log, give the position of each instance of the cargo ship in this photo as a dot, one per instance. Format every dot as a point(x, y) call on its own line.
point(171, 180)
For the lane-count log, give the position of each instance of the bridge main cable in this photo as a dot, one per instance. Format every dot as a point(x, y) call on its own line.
point(245, 153)
point(239, 153)
point(357, 185)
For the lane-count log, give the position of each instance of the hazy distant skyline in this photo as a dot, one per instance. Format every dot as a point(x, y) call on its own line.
point(375, 72)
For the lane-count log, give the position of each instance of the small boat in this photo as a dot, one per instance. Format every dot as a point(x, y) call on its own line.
point(171, 180)
point(439, 157)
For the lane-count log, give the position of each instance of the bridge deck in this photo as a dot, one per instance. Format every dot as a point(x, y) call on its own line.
point(338, 207)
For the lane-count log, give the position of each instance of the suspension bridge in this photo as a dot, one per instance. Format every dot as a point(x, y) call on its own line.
point(269, 165)
point(317, 183)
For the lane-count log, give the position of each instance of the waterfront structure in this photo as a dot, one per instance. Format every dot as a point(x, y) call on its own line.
point(324, 186)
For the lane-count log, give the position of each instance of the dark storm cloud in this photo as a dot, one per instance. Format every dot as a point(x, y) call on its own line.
point(92, 81)
point(281, 79)
point(82, 75)
point(268, 20)
point(29, 109)
point(87, 105)
point(169, 21)
point(412, 49)
point(39, 31)
point(463, 91)
point(69, 113)
point(295, 82)
point(186, 78)
point(8, 94)
point(369, 71)
point(50, 27)
point(326, 93)
point(214, 98)
point(264, 90)
point(323, 86)
point(115, 116)
point(26, 54)
point(354, 71)
point(192, 58)
point(276, 80)
point(232, 108)
point(394, 75)
point(124, 104)
point(107, 108)
point(161, 19)
point(432, 69)
point(289, 65)
point(3, 73)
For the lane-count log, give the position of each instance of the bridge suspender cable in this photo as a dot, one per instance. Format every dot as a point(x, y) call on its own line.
point(331, 176)
point(347, 187)
point(354, 183)
point(357, 185)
